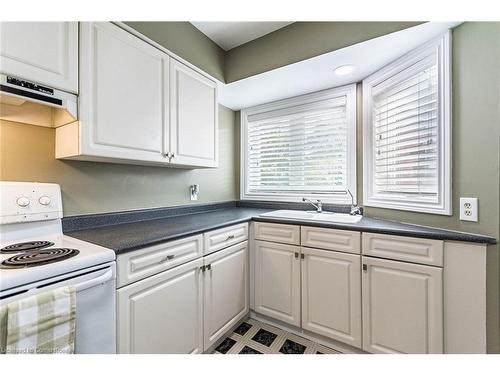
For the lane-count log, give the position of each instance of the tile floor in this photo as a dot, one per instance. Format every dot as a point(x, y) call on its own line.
point(254, 337)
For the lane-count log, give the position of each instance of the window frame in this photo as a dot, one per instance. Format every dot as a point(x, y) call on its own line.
point(443, 205)
point(349, 91)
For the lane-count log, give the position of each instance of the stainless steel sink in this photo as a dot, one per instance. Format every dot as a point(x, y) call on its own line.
point(328, 217)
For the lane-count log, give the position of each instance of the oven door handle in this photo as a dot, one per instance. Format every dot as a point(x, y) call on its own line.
point(108, 275)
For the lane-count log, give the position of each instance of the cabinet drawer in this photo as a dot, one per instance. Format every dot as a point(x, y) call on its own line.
point(331, 239)
point(409, 249)
point(282, 233)
point(139, 264)
point(224, 237)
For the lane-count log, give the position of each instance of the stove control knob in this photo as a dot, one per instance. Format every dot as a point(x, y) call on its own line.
point(44, 200)
point(23, 202)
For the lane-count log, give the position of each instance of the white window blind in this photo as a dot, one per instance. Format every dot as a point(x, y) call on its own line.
point(298, 150)
point(405, 120)
point(407, 131)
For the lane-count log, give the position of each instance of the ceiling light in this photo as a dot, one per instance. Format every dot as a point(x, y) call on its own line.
point(344, 70)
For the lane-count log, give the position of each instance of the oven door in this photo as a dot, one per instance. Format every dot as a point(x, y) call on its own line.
point(95, 305)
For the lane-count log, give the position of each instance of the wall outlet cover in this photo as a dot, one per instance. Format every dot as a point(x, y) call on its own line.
point(468, 209)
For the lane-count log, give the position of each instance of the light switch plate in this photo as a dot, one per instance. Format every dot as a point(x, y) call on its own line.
point(468, 209)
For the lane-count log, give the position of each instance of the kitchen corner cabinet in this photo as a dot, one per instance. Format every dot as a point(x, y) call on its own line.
point(162, 313)
point(138, 105)
point(42, 52)
point(225, 280)
point(277, 281)
point(402, 307)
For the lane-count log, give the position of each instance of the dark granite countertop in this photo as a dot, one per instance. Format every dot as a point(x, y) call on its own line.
point(133, 235)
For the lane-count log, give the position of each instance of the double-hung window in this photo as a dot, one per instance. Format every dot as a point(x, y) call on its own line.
point(406, 131)
point(301, 147)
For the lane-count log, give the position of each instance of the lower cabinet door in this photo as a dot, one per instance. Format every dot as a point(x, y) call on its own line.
point(402, 307)
point(226, 291)
point(331, 294)
point(277, 281)
point(162, 313)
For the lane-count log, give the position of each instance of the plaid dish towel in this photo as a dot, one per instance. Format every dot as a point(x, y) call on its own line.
point(40, 324)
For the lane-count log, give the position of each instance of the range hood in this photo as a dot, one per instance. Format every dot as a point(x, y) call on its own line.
point(31, 103)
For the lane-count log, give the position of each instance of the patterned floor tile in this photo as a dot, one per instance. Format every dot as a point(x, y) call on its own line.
point(255, 337)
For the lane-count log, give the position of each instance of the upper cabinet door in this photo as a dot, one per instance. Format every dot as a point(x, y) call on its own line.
point(402, 307)
point(331, 294)
point(193, 124)
point(43, 52)
point(123, 95)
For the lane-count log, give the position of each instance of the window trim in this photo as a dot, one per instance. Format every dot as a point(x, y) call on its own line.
point(350, 92)
point(441, 45)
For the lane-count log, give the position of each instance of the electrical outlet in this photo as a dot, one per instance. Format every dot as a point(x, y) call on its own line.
point(468, 209)
point(193, 192)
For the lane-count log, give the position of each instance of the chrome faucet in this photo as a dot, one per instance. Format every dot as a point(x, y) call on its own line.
point(318, 205)
point(355, 210)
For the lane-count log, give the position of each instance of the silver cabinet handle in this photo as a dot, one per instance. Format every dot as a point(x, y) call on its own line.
point(296, 255)
point(208, 267)
point(173, 155)
point(167, 258)
point(230, 237)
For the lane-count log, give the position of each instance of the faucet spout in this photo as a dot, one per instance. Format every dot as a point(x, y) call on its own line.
point(318, 205)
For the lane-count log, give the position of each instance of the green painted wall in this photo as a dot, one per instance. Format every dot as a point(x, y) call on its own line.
point(27, 154)
point(186, 41)
point(300, 41)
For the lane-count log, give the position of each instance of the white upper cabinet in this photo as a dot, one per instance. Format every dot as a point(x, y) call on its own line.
point(43, 52)
point(193, 117)
point(124, 95)
point(138, 105)
point(402, 307)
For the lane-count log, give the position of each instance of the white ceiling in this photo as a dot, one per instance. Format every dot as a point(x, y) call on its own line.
point(232, 34)
point(317, 73)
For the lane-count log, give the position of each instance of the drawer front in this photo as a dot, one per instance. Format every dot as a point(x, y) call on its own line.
point(281, 233)
point(331, 239)
point(136, 265)
point(224, 237)
point(409, 249)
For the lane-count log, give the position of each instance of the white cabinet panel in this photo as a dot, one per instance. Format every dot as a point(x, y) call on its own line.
point(226, 291)
point(331, 295)
point(331, 239)
point(43, 52)
point(408, 249)
point(277, 281)
point(402, 307)
point(124, 95)
point(139, 264)
point(281, 233)
point(163, 313)
point(224, 237)
point(193, 123)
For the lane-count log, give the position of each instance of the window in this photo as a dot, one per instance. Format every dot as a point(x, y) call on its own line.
point(301, 147)
point(407, 150)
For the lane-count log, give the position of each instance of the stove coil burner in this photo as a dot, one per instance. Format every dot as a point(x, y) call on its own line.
point(25, 246)
point(38, 258)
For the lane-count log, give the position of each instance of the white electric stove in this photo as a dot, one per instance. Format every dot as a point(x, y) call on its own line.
point(36, 256)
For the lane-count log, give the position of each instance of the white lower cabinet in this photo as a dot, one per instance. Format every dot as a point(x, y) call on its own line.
point(402, 307)
point(162, 313)
point(331, 294)
point(225, 281)
point(185, 309)
point(277, 281)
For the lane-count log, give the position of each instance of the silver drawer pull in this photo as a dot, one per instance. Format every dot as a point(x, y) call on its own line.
point(230, 237)
point(167, 258)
